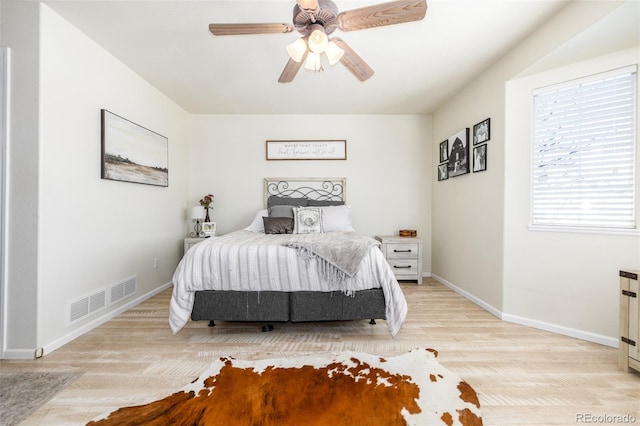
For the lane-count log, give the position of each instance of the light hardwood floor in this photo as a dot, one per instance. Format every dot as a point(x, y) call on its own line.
point(523, 376)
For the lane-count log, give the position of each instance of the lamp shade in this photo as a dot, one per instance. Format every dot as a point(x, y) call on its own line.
point(197, 212)
point(313, 62)
point(334, 53)
point(318, 39)
point(296, 49)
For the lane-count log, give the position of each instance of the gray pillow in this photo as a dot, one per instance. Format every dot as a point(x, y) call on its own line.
point(325, 203)
point(278, 225)
point(281, 211)
point(274, 200)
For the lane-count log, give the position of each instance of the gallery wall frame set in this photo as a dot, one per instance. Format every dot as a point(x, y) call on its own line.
point(454, 153)
point(132, 153)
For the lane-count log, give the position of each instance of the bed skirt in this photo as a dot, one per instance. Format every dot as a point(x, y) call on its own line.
point(275, 306)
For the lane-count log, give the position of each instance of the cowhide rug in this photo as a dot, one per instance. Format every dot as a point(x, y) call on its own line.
point(346, 388)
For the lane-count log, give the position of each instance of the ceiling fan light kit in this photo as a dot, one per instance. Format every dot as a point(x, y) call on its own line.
point(314, 62)
point(297, 49)
point(333, 52)
point(315, 20)
point(318, 39)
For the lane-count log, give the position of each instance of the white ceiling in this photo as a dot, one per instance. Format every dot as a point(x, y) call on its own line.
point(417, 65)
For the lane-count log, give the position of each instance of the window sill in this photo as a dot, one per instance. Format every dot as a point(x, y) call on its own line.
point(585, 230)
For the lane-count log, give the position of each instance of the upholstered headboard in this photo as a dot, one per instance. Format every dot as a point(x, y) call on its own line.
point(325, 189)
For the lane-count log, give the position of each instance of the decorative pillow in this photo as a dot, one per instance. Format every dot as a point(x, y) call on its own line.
point(323, 203)
point(274, 200)
point(337, 219)
point(281, 211)
point(307, 220)
point(257, 225)
point(278, 225)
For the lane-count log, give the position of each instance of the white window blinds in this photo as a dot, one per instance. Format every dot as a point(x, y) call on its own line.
point(584, 152)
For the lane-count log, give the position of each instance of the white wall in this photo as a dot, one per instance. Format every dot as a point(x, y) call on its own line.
point(92, 232)
point(567, 280)
point(467, 212)
point(19, 31)
point(388, 167)
point(477, 231)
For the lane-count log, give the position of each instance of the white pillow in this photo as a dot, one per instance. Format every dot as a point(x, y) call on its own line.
point(307, 220)
point(258, 225)
point(337, 219)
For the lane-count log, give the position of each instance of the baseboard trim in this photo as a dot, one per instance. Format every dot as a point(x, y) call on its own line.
point(18, 354)
point(47, 349)
point(559, 329)
point(484, 305)
point(528, 322)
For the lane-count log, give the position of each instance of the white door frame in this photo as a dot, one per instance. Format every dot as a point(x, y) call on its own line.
point(4, 142)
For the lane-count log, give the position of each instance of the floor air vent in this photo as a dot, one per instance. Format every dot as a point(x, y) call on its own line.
point(86, 305)
point(122, 289)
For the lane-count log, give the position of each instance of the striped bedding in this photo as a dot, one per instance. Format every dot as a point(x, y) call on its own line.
point(252, 261)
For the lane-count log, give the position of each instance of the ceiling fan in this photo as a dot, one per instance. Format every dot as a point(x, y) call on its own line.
point(315, 20)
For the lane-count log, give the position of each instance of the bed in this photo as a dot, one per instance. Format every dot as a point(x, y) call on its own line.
point(300, 260)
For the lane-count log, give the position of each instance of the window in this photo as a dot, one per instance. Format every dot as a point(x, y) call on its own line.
point(584, 152)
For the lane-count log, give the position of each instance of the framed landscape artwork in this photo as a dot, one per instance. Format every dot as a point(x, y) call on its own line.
point(132, 153)
point(458, 150)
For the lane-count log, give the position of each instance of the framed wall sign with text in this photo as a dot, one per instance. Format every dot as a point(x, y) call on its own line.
point(307, 150)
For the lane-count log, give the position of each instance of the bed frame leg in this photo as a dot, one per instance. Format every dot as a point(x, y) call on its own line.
point(212, 323)
point(372, 322)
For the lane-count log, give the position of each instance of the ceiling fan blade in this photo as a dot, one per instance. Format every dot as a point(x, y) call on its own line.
point(291, 69)
point(395, 12)
point(353, 62)
point(241, 29)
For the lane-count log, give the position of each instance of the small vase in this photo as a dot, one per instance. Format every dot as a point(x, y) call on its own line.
point(206, 216)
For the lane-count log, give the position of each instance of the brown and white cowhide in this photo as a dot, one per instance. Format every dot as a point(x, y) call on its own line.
point(346, 388)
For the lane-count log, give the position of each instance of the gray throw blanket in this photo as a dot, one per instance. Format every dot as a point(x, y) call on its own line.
point(338, 257)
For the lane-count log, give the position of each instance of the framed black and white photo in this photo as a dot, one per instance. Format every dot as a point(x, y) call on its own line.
point(480, 158)
point(444, 154)
point(443, 172)
point(458, 148)
point(132, 153)
point(482, 131)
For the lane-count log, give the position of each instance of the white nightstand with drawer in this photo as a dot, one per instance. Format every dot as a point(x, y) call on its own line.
point(404, 255)
point(190, 242)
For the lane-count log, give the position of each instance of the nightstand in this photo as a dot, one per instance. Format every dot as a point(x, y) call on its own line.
point(190, 242)
point(404, 255)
